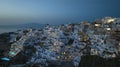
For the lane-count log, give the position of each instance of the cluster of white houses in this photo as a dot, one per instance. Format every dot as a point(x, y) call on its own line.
point(71, 41)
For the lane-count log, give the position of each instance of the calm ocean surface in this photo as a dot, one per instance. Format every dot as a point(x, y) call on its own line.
point(3, 30)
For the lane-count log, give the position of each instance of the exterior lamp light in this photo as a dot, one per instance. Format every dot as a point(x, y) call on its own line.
point(110, 20)
point(63, 53)
point(12, 53)
point(97, 25)
point(119, 43)
point(58, 57)
point(5, 59)
point(108, 29)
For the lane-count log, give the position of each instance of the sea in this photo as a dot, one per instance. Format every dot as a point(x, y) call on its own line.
point(5, 30)
point(13, 28)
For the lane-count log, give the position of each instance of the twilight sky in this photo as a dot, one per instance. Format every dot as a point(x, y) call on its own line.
point(56, 11)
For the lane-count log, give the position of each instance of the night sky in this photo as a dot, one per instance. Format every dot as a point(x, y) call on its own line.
point(56, 11)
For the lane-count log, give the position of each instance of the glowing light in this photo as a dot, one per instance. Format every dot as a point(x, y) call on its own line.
point(85, 40)
point(97, 25)
point(63, 53)
point(79, 39)
point(119, 44)
point(58, 57)
point(12, 53)
point(113, 55)
point(110, 20)
point(5, 59)
point(108, 28)
point(70, 56)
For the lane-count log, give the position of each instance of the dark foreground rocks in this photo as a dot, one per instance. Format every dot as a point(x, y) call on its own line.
point(96, 61)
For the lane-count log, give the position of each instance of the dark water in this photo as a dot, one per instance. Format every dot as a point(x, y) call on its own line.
point(7, 28)
point(12, 28)
point(3, 30)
